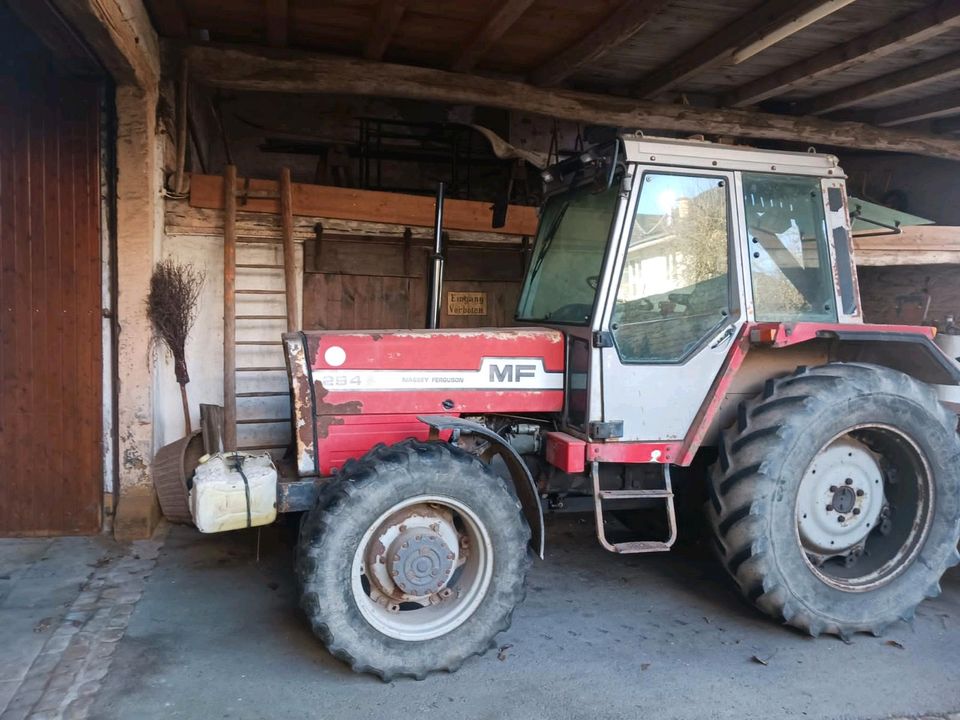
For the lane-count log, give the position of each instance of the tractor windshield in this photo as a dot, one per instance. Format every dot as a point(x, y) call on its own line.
point(561, 281)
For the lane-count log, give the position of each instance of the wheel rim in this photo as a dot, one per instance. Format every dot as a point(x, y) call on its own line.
point(863, 507)
point(422, 568)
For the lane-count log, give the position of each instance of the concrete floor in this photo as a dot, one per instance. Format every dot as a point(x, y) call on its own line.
point(217, 635)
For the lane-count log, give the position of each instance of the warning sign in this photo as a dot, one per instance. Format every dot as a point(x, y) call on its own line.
point(466, 303)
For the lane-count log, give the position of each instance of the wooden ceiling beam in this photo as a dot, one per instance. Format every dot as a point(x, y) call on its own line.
point(628, 19)
point(941, 68)
point(276, 13)
point(253, 69)
point(740, 40)
point(385, 24)
point(494, 27)
point(917, 27)
point(935, 106)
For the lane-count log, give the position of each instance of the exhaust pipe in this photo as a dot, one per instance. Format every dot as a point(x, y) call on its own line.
point(436, 267)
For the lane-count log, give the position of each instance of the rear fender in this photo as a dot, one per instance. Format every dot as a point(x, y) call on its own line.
point(523, 481)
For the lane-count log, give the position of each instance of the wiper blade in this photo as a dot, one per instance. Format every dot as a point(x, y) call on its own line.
point(548, 239)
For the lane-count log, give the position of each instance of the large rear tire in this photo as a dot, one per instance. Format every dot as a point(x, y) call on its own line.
point(835, 501)
point(413, 561)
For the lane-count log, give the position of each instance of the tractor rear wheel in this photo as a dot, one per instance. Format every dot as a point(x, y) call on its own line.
point(835, 500)
point(413, 561)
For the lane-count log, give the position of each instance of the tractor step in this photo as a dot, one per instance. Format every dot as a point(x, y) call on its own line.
point(636, 546)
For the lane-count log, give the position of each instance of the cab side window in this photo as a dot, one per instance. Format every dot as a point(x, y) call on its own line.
point(674, 290)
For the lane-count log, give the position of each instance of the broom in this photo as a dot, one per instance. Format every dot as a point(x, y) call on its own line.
point(172, 309)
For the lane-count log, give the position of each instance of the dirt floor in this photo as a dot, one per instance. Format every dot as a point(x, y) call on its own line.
point(217, 634)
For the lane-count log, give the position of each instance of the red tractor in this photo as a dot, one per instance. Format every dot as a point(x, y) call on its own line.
point(685, 304)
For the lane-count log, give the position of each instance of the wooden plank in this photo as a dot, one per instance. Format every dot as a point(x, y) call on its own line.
point(934, 106)
point(941, 68)
point(769, 23)
point(289, 249)
point(206, 191)
point(276, 14)
point(622, 24)
point(385, 24)
point(493, 28)
point(914, 28)
point(229, 198)
point(252, 69)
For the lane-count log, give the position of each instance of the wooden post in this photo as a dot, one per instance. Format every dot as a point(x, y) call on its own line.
point(230, 308)
point(289, 249)
point(182, 102)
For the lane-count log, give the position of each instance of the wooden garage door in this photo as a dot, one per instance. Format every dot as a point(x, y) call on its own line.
point(51, 479)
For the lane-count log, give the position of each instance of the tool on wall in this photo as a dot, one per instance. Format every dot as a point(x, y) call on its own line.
point(436, 264)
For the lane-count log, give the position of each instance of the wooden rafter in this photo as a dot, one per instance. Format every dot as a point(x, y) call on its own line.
point(941, 68)
point(385, 23)
point(935, 106)
point(616, 29)
point(771, 22)
point(501, 20)
point(299, 72)
point(915, 28)
point(276, 15)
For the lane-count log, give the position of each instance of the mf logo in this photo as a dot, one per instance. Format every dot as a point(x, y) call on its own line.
point(510, 372)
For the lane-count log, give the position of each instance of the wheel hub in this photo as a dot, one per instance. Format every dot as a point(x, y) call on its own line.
point(420, 562)
point(840, 498)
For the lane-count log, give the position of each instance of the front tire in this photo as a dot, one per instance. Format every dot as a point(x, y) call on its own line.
point(415, 560)
point(859, 545)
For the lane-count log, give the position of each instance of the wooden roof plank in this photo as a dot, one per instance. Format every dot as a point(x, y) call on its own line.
point(625, 22)
point(385, 24)
point(770, 23)
point(277, 21)
point(914, 110)
point(941, 68)
point(914, 28)
point(502, 19)
point(300, 72)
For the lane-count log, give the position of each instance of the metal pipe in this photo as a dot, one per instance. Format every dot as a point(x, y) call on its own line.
point(436, 265)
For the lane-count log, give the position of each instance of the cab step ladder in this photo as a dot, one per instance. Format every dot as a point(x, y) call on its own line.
point(636, 546)
point(261, 323)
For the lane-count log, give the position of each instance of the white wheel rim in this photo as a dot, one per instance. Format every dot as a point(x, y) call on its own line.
point(422, 568)
point(906, 519)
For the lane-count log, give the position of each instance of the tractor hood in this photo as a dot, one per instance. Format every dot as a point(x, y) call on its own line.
point(348, 386)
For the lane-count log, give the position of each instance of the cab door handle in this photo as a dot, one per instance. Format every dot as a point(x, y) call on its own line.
point(725, 335)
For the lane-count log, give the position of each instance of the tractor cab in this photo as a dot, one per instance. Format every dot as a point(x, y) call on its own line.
point(653, 255)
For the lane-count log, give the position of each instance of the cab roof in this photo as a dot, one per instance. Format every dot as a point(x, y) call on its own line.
point(716, 156)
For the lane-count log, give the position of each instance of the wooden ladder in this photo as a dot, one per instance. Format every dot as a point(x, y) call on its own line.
point(252, 350)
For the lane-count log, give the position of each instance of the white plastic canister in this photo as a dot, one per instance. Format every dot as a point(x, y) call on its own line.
point(221, 499)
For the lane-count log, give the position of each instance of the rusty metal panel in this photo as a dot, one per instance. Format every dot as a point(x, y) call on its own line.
point(50, 285)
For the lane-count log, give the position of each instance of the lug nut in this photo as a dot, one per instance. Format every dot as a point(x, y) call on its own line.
point(829, 508)
point(848, 481)
point(856, 511)
point(833, 488)
point(859, 493)
point(840, 518)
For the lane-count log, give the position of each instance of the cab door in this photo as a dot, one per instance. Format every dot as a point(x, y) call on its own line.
point(674, 302)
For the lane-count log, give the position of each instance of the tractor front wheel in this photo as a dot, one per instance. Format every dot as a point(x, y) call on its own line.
point(835, 500)
point(413, 561)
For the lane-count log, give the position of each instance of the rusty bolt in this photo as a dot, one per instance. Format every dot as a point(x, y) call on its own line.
point(406, 544)
point(415, 537)
point(395, 573)
point(403, 528)
point(433, 574)
point(449, 556)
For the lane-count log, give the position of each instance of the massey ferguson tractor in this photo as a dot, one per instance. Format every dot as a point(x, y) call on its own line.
point(686, 305)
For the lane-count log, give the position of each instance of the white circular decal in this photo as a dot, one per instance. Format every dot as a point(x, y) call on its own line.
point(335, 356)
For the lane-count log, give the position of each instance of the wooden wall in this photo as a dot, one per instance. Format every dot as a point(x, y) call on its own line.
point(880, 288)
point(361, 282)
point(51, 475)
